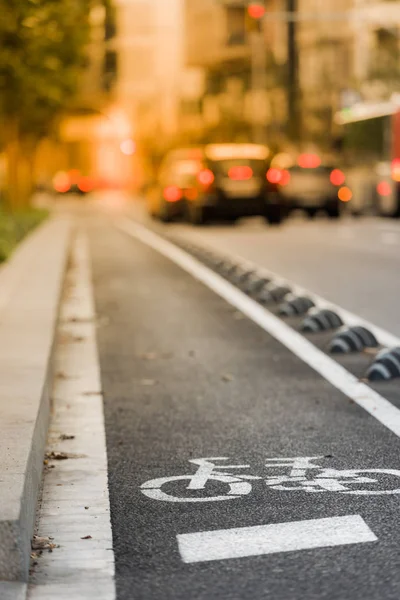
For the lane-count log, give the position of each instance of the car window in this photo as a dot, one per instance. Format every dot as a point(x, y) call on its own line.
point(222, 167)
point(321, 170)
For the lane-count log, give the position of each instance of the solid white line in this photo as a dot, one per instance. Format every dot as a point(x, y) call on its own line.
point(270, 539)
point(389, 238)
point(75, 501)
point(377, 406)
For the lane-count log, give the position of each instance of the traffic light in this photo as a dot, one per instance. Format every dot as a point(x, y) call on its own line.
point(256, 10)
point(254, 16)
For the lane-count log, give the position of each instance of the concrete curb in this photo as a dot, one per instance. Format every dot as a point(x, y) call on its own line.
point(28, 318)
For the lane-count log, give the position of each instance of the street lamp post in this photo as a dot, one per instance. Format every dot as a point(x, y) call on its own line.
point(256, 12)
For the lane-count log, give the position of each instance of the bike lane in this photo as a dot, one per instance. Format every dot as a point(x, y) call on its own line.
point(185, 378)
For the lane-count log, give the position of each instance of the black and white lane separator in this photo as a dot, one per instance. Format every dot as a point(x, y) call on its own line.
point(295, 306)
point(320, 320)
point(386, 365)
point(353, 334)
point(352, 339)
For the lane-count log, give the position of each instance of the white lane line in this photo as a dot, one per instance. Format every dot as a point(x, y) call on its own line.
point(377, 406)
point(389, 238)
point(270, 539)
point(75, 501)
point(384, 337)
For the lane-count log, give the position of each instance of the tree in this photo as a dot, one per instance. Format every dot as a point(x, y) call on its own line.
point(42, 52)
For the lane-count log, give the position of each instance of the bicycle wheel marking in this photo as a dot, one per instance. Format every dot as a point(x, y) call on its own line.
point(297, 474)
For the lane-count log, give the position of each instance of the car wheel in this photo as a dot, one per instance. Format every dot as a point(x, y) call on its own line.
point(311, 213)
point(333, 212)
point(164, 215)
point(274, 215)
point(198, 215)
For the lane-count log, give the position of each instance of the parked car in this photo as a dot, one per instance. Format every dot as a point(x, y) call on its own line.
point(311, 183)
point(218, 181)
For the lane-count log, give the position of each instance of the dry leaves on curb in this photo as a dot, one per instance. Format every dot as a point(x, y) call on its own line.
point(87, 537)
point(64, 437)
point(56, 456)
point(43, 543)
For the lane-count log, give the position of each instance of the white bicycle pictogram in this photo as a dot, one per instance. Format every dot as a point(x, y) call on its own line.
point(237, 485)
point(298, 478)
point(327, 480)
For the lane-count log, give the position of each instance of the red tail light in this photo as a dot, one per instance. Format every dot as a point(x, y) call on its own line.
point(309, 161)
point(384, 188)
point(206, 177)
point(61, 183)
point(240, 173)
point(285, 179)
point(172, 193)
point(86, 184)
point(274, 175)
point(337, 177)
point(396, 169)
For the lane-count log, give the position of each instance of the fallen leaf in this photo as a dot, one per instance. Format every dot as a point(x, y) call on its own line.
point(238, 316)
point(148, 382)
point(56, 455)
point(64, 436)
point(87, 537)
point(42, 543)
point(149, 356)
point(61, 375)
point(227, 377)
point(372, 351)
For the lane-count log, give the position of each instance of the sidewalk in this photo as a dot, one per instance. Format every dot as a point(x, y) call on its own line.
point(30, 289)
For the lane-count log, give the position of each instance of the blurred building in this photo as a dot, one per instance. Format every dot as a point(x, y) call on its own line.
point(325, 48)
point(348, 53)
point(130, 93)
point(243, 61)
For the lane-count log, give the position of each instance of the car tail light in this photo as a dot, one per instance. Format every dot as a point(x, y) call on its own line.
point(172, 193)
point(396, 169)
point(61, 183)
point(240, 173)
point(309, 161)
point(86, 184)
point(285, 179)
point(384, 188)
point(206, 177)
point(337, 177)
point(345, 194)
point(274, 175)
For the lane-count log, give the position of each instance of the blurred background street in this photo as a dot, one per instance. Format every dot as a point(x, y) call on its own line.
point(199, 299)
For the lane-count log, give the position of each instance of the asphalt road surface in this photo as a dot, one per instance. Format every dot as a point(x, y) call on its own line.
point(198, 398)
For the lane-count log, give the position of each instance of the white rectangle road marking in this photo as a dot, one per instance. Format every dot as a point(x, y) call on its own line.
point(270, 539)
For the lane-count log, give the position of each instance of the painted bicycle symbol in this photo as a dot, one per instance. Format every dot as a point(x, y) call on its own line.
point(300, 474)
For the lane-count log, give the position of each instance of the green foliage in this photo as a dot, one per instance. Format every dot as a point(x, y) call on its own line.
point(42, 50)
point(15, 226)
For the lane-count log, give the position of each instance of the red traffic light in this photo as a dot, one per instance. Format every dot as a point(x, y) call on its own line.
point(256, 10)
